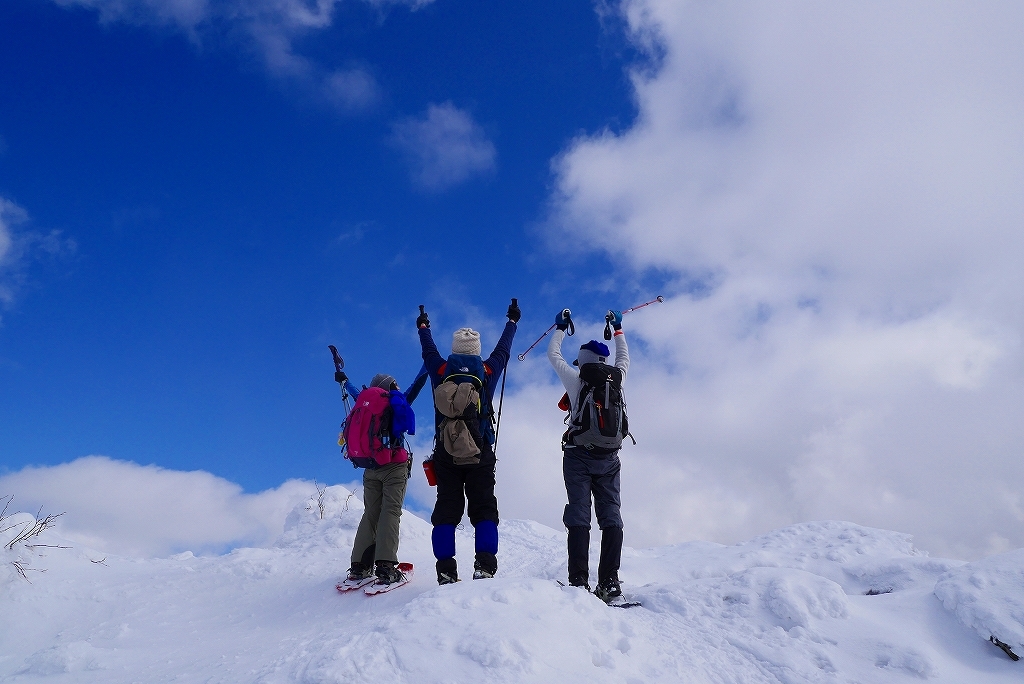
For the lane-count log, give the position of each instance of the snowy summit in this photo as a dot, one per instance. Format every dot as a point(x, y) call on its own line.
point(814, 602)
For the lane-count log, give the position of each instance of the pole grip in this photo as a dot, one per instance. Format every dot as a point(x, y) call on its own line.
point(339, 363)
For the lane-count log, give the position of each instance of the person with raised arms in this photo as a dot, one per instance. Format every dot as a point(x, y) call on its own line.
point(463, 459)
point(597, 425)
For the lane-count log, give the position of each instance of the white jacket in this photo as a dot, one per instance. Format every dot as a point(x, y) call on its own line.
point(570, 375)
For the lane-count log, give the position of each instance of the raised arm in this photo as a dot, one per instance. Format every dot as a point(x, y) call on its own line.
point(417, 385)
point(566, 373)
point(432, 359)
point(621, 350)
point(621, 353)
point(502, 351)
point(352, 390)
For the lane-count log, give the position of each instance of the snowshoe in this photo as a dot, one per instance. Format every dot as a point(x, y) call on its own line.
point(390, 576)
point(610, 592)
point(358, 576)
point(582, 583)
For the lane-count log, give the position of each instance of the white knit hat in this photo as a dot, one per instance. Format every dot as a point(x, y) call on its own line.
point(466, 341)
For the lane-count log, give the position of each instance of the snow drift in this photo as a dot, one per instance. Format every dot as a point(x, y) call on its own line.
point(815, 602)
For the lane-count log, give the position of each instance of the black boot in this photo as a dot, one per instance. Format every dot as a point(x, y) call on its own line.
point(447, 571)
point(608, 590)
point(485, 566)
point(388, 573)
point(358, 571)
point(611, 554)
point(579, 557)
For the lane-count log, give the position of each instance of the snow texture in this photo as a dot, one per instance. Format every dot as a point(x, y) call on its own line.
point(815, 602)
point(987, 596)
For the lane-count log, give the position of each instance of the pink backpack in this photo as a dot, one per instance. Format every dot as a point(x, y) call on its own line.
point(368, 439)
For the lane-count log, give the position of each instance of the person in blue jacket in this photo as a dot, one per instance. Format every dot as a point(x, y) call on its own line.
point(466, 480)
point(375, 548)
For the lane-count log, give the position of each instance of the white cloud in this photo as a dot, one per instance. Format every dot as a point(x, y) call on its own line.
point(187, 14)
point(444, 147)
point(268, 27)
point(351, 90)
point(10, 214)
point(19, 247)
point(124, 508)
point(844, 182)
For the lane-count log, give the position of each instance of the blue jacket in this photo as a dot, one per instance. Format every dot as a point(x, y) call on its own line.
point(405, 419)
point(494, 366)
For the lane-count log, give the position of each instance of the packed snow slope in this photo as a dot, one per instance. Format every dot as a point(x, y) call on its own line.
point(790, 606)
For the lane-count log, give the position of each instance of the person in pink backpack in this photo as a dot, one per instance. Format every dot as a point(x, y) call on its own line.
point(375, 441)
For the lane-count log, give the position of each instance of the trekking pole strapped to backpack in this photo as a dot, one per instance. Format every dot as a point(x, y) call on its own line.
point(570, 332)
point(608, 318)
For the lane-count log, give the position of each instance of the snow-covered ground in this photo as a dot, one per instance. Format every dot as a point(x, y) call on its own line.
point(815, 602)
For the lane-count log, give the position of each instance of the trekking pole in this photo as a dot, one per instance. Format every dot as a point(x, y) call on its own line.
point(657, 300)
point(608, 316)
point(501, 397)
point(571, 331)
point(339, 365)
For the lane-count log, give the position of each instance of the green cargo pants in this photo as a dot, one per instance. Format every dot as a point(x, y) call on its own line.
point(383, 495)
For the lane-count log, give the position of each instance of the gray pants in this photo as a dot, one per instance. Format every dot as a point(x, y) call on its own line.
point(589, 478)
point(383, 495)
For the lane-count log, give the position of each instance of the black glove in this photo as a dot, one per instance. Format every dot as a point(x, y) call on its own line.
point(422, 321)
point(514, 314)
point(561, 320)
point(340, 377)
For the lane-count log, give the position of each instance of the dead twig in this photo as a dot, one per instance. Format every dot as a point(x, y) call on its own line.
point(33, 530)
point(19, 565)
point(320, 490)
point(344, 509)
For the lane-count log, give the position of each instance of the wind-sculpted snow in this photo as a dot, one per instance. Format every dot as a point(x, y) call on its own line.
point(791, 606)
point(988, 597)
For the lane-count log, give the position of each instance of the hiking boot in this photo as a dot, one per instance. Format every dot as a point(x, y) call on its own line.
point(357, 572)
point(388, 572)
point(579, 582)
point(608, 590)
point(447, 571)
point(485, 566)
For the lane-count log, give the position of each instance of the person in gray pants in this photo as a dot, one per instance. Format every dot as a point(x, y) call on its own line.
point(591, 473)
point(375, 548)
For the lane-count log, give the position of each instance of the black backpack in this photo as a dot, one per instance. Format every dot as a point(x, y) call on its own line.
point(601, 423)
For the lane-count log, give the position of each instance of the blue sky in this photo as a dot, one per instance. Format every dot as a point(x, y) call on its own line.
point(198, 196)
point(221, 224)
